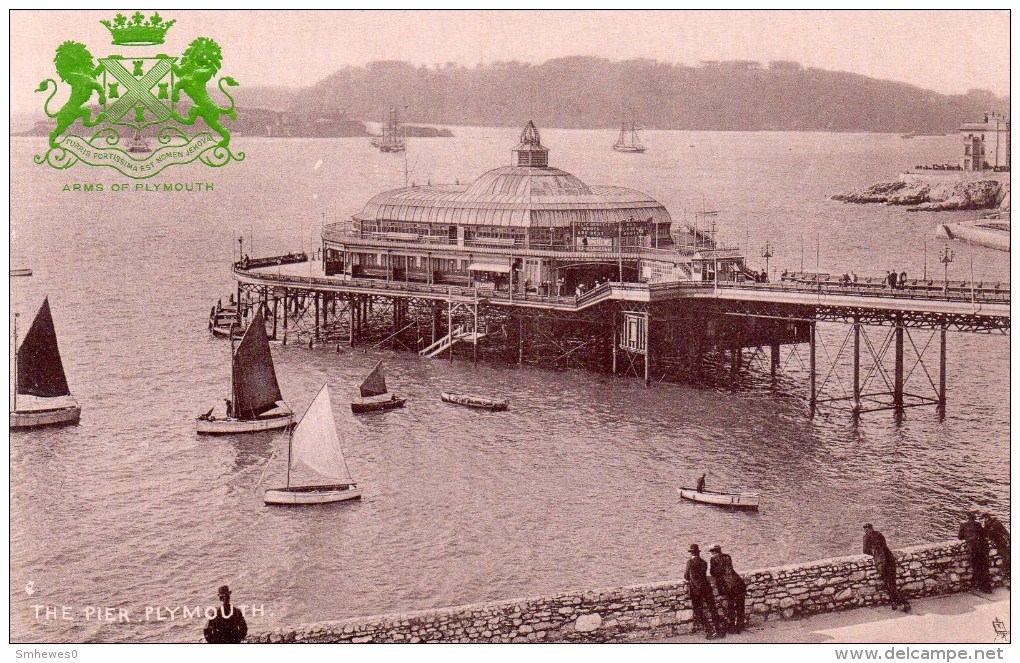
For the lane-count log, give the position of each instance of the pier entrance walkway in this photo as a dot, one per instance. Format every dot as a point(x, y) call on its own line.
point(670, 330)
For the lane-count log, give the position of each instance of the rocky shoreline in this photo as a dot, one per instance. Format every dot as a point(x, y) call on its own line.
point(932, 196)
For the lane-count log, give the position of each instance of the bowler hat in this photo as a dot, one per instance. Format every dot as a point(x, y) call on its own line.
point(694, 548)
point(715, 548)
point(224, 590)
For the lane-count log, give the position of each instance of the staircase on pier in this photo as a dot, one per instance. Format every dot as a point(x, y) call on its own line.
point(457, 335)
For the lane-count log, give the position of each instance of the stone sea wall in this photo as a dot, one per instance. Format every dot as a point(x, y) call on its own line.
point(935, 194)
point(651, 611)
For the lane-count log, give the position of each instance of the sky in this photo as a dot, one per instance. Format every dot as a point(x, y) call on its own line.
point(946, 51)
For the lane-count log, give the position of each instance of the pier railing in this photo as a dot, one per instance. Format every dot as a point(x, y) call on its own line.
point(953, 291)
point(509, 246)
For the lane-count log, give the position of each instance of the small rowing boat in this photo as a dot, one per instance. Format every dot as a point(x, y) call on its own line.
point(734, 500)
point(480, 402)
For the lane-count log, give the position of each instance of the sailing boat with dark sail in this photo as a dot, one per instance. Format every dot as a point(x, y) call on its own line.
point(255, 403)
point(39, 380)
point(374, 395)
point(314, 448)
point(628, 140)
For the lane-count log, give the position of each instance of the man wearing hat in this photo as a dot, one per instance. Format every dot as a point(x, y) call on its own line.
point(977, 547)
point(702, 601)
point(228, 626)
point(885, 563)
point(731, 585)
point(998, 535)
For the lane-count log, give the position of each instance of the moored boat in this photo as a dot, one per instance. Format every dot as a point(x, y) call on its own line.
point(39, 378)
point(314, 446)
point(21, 271)
point(256, 403)
point(733, 500)
point(374, 395)
point(480, 402)
point(628, 141)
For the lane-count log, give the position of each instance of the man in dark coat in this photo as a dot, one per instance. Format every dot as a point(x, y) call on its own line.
point(977, 548)
point(998, 535)
point(701, 484)
point(702, 601)
point(731, 585)
point(885, 564)
point(228, 626)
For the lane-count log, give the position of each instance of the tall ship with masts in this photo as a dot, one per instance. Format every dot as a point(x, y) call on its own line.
point(628, 140)
point(39, 380)
point(394, 136)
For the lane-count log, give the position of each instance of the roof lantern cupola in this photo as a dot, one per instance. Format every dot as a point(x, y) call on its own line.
point(530, 152)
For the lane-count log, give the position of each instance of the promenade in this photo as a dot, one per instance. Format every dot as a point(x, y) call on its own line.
point(965, 617)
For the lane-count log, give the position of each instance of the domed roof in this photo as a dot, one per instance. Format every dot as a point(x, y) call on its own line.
point(519, 195)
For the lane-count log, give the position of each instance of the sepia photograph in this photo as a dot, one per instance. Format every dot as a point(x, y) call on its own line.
point(681, 329)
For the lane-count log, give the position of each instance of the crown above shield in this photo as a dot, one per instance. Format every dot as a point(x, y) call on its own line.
point(138, 30)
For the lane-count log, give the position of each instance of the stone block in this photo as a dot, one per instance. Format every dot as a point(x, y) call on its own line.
point(588, 623)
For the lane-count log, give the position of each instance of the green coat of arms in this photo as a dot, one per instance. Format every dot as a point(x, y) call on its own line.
point(138, 99)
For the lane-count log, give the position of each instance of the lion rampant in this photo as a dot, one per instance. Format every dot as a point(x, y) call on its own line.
point(199, 63)
point(77, 68)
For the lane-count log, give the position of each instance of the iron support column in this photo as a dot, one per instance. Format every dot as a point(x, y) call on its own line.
point(285, 307)
point(775, 359)
point(856, 408)
point(648, 348)
point(615, 341)
point(811, 367)
point(898, 372)
point(942, 374)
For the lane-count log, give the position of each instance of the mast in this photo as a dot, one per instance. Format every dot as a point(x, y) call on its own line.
point(15, 362)
point(233, 395)
point(290, 444)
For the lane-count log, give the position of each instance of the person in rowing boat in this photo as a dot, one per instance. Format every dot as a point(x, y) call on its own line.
point(701, 484)
point(885, 563)
point(731, 585)
point(702, 601)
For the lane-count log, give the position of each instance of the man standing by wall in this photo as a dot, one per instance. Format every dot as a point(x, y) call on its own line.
point(702, 600)
point(729, 583)
point(999, 535)
point(885, 563)
point(977, 547)
point(228, 626)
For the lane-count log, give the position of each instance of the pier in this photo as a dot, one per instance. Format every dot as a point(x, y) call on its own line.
point(530, 265)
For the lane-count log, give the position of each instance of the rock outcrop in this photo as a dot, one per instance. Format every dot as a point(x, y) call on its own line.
point(932, 196)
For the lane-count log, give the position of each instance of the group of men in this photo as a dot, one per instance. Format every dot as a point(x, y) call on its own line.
point(894, 281)
point(977, 536)
point(728, 583)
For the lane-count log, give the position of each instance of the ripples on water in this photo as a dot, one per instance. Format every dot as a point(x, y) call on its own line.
point(573, 487)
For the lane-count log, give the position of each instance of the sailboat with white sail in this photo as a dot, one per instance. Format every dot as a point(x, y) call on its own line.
point(374, 395)
point(315, 448)
point(39, 378)
point(255, 403)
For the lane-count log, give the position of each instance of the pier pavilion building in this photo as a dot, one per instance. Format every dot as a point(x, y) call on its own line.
point(523, 228)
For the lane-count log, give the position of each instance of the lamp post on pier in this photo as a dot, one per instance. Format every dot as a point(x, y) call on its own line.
point(240, 248)
point(946, 256)
point(767, 252)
